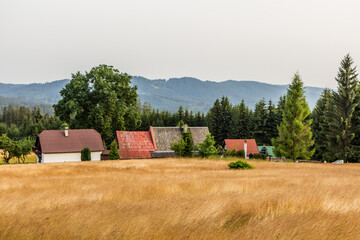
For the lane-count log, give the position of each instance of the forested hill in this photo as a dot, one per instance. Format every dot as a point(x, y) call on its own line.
point(191, 93)
point(200, 95)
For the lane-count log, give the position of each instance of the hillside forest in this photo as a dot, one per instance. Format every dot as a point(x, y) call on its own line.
point(105, 100)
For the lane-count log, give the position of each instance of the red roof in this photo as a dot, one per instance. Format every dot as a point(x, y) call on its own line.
point(238, 144)
point(135, 144)
point(54, 141)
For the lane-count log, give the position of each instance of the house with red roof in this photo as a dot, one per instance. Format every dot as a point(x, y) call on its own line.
point(154, 143)
point(248, 145)
point(65, 145)
point(135, 144)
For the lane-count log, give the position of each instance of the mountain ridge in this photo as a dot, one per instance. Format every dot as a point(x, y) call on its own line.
point(168, 94)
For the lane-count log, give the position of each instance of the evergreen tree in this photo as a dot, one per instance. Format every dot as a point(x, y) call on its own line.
point(319, 126)
point(225, 119)
point(340, 117)
point(114, 153)
point(214, 121)
point(270, 125)
point(295, 136)
point(280, 109)
point(260, 117)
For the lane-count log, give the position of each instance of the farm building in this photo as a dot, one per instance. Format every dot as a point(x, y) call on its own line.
point(154, 143)
point(65, 145)
point(248, 145)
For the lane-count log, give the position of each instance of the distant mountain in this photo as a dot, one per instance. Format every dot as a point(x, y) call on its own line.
point(200, 95)
point(35, 92)
point(191, 93)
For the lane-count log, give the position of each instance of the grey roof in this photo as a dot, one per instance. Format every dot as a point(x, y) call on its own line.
point(166, 135)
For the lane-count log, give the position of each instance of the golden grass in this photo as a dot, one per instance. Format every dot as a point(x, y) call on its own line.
point(179, 199)
point(31, 158)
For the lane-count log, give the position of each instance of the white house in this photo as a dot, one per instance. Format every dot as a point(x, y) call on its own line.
point(65, 145)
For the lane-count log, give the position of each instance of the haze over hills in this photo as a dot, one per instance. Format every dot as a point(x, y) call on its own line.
point(191, 93)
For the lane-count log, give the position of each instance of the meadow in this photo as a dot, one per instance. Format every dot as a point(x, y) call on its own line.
point(179, 199)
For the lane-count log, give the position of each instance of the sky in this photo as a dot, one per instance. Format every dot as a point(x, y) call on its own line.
point(259, 40)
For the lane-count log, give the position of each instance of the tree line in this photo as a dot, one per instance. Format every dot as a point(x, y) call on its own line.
point(104, 100)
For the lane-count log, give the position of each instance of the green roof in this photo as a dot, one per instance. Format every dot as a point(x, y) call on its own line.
point(269, 150)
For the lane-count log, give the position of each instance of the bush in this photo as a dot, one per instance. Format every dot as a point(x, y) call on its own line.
point(240, 165)
point(185, 146)
point(85, 154)
point(233, 153)
point(207, 147)
point(178, 147)
point(258, 156)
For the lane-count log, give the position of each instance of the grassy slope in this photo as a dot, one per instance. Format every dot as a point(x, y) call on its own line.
point(179, 199)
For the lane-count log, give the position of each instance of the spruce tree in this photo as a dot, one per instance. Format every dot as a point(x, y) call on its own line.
point(271, 124)
point(213, 118)
point(260, 117)
point(225, 119)
point(114, 152)
point(319, 126)
point(295, 136)
point(340, 118)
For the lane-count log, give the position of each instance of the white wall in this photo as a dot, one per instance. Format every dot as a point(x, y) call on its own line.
point(67, 157)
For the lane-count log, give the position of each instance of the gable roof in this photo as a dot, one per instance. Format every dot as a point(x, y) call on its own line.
point(269, 150)
point(135, 144)
point(164, 136)
point(238, 144)
point(54, 141)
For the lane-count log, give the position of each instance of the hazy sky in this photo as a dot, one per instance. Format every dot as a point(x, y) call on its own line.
point(262, 40)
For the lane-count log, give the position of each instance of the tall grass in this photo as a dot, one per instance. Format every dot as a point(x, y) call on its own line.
point(179, 199)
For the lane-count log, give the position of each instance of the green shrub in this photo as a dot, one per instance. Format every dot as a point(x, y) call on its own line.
point(240, 165)
point(233, 153)
point(178, 147)
point(207, 147)
point(85, 154)
point(185, 146)
point(257, 156)
point(114, 153)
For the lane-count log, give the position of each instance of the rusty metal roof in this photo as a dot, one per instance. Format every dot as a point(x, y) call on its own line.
point(55, 141)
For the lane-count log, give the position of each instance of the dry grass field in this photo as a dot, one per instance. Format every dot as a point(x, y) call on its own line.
point(179, 199)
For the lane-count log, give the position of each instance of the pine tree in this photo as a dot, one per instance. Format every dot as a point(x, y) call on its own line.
point(239, 122)
point(260, 117)
point(280, 109)
point(319, 126)
point(270, 125)
point(213, 118)
point(225, 119)
point(340, 117)
point(295, 136)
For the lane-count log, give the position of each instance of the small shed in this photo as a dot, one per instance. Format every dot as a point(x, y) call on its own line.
point(65, 145)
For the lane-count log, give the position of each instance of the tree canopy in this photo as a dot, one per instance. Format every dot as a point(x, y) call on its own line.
point(101, 99)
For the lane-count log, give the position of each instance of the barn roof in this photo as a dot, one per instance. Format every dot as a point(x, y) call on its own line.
point(238, 144)
point(164, 136)
point(135, 144)
point(55, 141)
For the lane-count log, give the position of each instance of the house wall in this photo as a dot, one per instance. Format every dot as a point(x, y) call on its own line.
point(67, 157)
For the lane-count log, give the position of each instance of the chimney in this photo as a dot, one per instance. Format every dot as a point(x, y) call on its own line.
point(245, 149)
point(66, 131)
